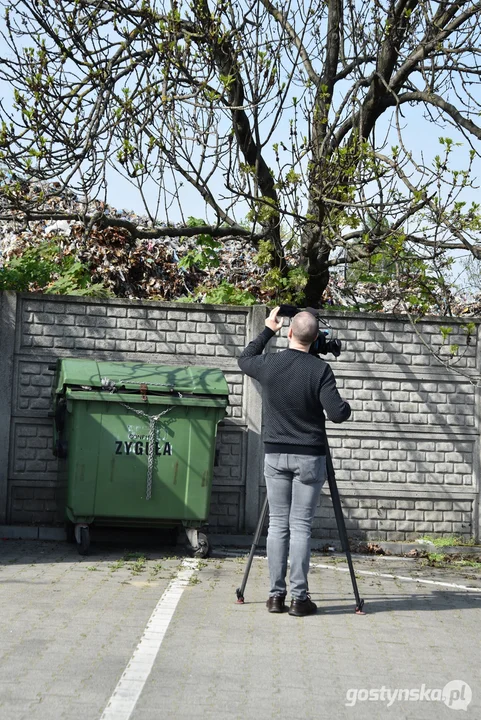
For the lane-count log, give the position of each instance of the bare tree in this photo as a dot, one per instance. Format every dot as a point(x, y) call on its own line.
point(292, 115)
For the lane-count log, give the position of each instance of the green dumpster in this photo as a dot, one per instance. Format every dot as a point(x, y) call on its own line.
point(137, 444)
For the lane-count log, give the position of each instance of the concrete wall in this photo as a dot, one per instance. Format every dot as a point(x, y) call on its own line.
point(407, 462)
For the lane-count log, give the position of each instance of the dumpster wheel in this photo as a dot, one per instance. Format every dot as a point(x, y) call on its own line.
point(84, 545)
point(203, 549)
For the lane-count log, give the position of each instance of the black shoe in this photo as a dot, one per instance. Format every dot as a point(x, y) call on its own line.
point(299, 608)
point(276, 604)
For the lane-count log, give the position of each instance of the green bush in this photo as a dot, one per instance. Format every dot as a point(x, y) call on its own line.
point(32, 270)
point(224, 294)
point(46, 268)
point(228, 294)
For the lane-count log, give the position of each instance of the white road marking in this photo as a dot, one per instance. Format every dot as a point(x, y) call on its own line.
point(405, 578)
point(134, 677)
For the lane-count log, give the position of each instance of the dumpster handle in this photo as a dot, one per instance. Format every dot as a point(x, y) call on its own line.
point(152, 420)
point(108, 384)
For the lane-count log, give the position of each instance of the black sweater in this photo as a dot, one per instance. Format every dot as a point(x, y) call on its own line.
point(297, 389)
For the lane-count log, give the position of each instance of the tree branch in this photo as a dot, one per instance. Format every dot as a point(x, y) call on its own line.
point(438, 101)
point(284, 23)
point(134, 230)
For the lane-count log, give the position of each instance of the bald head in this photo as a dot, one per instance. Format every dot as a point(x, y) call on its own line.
point(305, 328)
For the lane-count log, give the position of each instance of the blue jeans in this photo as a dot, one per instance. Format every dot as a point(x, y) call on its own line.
point(294, 484)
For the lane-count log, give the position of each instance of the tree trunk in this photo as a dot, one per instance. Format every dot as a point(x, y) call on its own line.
point(315, 257)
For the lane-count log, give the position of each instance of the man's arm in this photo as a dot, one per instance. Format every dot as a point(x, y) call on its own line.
point(337, 409)
point(251, 360)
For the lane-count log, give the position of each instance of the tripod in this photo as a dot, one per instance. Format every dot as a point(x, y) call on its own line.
point(341, 527)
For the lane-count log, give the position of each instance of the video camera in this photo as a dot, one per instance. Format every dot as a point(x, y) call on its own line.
point(321, 346)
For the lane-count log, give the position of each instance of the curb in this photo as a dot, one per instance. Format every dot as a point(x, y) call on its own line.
point(28, 532)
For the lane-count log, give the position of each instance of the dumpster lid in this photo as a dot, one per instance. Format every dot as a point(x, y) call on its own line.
point(131, 375)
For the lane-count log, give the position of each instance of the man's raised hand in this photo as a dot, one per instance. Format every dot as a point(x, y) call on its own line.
point(273, 321)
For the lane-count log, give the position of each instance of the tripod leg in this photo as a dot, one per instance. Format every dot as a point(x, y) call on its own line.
point(255, 543)
point(341, 526)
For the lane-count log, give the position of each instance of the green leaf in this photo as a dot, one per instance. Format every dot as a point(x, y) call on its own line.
point(445, 332)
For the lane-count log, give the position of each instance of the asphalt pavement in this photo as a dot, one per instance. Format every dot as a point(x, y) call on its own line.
point(145, 632)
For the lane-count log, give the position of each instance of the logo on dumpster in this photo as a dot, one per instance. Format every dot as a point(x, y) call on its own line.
point(138, 443)
point(122, 447)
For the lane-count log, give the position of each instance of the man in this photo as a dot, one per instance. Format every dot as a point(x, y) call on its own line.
point(297, 388)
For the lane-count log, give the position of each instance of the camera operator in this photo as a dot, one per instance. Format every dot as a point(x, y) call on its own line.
point(297, 388)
